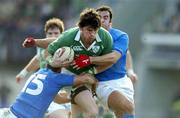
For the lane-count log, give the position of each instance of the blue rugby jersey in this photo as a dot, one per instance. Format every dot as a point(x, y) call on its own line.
point(38, 92)
point(120, 44)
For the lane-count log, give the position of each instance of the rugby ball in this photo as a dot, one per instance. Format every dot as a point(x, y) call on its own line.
point(63, 54)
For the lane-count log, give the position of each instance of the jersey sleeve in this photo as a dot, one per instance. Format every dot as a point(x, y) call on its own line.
point(65, 79)
point(121, 44)
point(52, 47)
point(65, 39)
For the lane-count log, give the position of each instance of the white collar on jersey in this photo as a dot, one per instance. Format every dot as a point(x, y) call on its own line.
point(77, 38)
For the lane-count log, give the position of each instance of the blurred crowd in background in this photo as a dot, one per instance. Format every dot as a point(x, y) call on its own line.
point(22, 18)
point(169, 21)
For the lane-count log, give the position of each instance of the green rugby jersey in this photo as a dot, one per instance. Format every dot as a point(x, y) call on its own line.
point(42, 60)
point(71, 38)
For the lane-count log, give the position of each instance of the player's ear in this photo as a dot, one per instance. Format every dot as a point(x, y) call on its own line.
point(110, 23)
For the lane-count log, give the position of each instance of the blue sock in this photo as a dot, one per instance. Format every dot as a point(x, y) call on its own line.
point(128, 116)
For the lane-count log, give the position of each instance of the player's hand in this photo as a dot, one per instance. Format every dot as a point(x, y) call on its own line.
point(22, 75)
point(89, 78)
point(64, 95)
point(132, 75)
point(28, 42)
point(65, 63)
point(19, 79)
point(81, 61)
point(58, 64)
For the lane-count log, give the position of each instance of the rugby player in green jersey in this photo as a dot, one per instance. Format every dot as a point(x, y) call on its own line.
point(88, 39)
point(53, 28)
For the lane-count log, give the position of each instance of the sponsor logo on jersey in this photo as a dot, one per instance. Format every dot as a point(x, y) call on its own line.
point(95, 49)
point(77, 48)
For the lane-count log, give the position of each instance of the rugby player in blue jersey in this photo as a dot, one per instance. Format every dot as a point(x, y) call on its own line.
point(115, 89)
point(42, 88)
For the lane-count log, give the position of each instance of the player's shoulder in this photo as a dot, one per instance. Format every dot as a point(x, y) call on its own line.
point(117, 31)
point(47, 73)
point(103, 33)
point(42, 71)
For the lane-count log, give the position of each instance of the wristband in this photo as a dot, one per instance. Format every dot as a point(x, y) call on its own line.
point(92, 71)
point(23, 73)
point(130, 71)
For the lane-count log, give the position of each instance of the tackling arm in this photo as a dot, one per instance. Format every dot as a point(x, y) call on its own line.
point(84, 79)
point(43, 43)
point(33, 65)
point(107, 59)
point(102, 62)
point(62, 98)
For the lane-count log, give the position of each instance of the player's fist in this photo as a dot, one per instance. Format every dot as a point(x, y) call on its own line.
point(132, 75)
point(28, 42)
point(21, 75)
point(81, 61)
point(19, 79)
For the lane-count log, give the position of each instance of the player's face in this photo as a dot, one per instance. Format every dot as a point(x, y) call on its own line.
point(105, 19)
point(53, 32)
point(88, 34)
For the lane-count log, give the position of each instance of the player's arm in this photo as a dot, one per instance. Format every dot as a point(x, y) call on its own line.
point(62, 98)
point(103, 62)
point(78, 80)
point(33, 65)
point(129, 65)
point(43, 43)
point(84, 79)
point(120, 47)
point(107, 59)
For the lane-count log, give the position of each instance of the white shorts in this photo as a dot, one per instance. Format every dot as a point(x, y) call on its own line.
point(6, 113)
point(55, 106)
point(123, 85)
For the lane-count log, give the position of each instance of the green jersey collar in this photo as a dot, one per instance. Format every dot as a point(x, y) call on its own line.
point(77, 38)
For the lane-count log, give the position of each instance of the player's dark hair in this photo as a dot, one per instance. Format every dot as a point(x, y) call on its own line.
point(105, 8)
point(57, 70)
point(89, 17)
